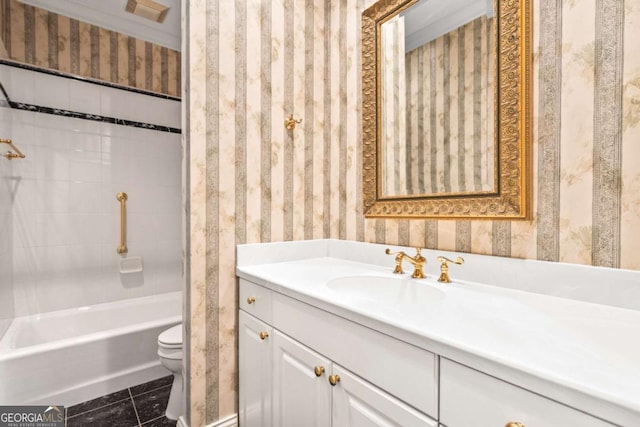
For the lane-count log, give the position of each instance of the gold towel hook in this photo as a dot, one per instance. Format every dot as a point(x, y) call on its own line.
point(290, 123)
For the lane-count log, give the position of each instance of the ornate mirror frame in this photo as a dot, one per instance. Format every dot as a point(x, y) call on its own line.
point(513, 123)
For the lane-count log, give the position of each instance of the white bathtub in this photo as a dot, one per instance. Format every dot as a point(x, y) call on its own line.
point(70, 356)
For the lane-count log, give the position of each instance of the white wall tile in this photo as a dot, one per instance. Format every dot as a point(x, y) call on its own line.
point(25, 297)
point(140, 108)
point(111, 129)
point(66, 217)
point(51, 91)
point(168, 113)
point(84, 166)
point(25, 231)
point(51, 196)
point(5, 74)
point(22, 117)
point(7, 185)
point(48, 122)
point(52, 164)
point(83, 141)
point(116, 168)
point(84, 97)
point(85, 197)
point(20, 87)
point(25, 265)
point(23, 134)
point(84, 126)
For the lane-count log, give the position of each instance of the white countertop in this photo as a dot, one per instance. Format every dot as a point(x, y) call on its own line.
point(583, 354)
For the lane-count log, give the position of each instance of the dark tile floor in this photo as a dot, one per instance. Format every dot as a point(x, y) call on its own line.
point(141, 405)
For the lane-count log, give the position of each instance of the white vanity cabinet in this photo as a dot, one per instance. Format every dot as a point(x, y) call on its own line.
point(469, 398)
point(255, 354)
point(406, 352)
point(285, 382)
point(358, 403)
point(301, 392)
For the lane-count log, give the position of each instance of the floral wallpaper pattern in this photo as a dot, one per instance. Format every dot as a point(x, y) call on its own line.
point(253, 63)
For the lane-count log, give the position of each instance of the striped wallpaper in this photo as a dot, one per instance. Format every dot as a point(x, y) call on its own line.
point(396, 159)
point(439, 133)
point(35, 36)
point(252, 63)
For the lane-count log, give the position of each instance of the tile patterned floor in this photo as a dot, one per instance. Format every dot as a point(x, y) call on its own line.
point(141, 405)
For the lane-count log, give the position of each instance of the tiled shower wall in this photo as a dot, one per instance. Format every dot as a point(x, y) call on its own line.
point(252, 63)
point(7, 184)
point(66, 219)
point(35, 36)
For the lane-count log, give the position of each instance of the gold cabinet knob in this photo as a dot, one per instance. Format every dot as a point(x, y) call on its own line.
point(514, 424)
point(263, 335)
point(334, 379)
point(251, 300)
point(319, 370)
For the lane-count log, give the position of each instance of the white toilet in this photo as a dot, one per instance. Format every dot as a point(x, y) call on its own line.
point(170, 352)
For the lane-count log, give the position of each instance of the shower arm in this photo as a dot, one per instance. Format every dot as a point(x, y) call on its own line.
point(15, 154)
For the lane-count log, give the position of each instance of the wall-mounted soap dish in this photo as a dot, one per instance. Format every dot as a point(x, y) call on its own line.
point(132, 264)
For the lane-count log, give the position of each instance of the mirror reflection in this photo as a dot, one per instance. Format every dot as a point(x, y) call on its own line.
point(437, 133)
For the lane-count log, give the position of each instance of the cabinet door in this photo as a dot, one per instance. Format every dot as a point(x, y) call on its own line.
point(469, 398)
point(300, 397)
point(255, 352)
point(356, 403)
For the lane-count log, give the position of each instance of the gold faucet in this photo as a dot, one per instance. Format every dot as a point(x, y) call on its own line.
point(444, 268)
point(418, 262)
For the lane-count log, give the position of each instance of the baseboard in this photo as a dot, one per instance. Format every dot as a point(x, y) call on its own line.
point(230, 421)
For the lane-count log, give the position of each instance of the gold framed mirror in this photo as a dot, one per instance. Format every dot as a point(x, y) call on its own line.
point(432, 152)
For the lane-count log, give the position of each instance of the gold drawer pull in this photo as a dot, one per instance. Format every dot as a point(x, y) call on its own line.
point(319, 370)
point(251, 300)
point(514, 424)
point(334, 379)
point(263, 335)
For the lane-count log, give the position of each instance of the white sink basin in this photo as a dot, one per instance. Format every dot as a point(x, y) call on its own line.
point(390, 290)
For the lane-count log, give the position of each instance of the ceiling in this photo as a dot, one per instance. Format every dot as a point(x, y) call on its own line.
point(111, 15)
point(427, 20)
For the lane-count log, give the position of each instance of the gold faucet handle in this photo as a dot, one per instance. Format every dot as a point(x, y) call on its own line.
point(444, 267)
point(399, 256)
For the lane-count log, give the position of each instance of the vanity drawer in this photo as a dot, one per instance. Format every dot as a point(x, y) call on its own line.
point(255, 300)
point(469, 398)
point(402, 370)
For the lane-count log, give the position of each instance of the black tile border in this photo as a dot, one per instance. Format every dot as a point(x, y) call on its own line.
point(93, 117)
point(86, 80)
point(76, 114)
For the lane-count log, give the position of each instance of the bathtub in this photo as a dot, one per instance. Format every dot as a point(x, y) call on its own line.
point(70, 356)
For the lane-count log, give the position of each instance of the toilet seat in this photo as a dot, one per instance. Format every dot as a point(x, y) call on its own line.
point(171, 338)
